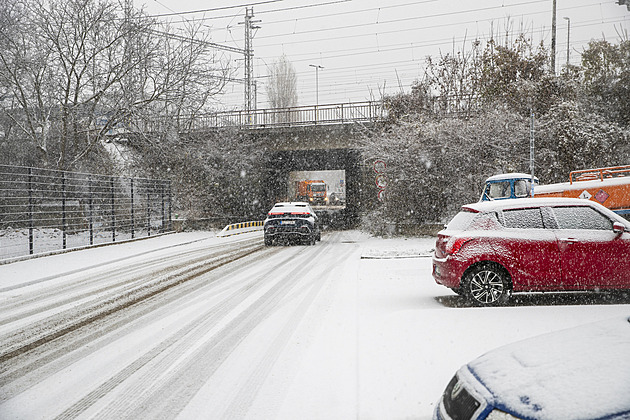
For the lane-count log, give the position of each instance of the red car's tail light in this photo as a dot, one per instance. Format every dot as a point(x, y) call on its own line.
point(455, 244)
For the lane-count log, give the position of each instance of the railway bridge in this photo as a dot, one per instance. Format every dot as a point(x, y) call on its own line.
point(309, 139)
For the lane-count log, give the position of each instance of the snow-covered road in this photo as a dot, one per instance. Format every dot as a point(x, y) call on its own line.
point(193, 326)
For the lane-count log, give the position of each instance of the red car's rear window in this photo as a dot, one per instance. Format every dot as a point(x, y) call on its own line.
point(462, 220)
point(470, 220)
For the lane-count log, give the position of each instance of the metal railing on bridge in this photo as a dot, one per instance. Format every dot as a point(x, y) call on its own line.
point(345, 113)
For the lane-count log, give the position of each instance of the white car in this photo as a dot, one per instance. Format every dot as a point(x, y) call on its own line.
point(579, 373)
point(292, 222)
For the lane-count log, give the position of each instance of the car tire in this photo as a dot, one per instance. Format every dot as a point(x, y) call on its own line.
point(268, 241)
point(487, 284)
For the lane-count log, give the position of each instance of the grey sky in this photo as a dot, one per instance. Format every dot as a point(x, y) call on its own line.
point(370, 47)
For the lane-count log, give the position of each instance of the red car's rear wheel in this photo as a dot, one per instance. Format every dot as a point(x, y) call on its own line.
point(487, 284)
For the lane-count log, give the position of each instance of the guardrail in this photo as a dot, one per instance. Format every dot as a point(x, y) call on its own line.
point(243, 227)
point(43, 210)
point(599, 173)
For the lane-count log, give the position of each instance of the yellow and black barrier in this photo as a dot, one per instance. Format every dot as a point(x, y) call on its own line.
point(239, 228)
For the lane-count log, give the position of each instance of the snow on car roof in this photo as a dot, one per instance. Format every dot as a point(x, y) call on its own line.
point(511, 175)
point(515, 203)
point(583, 370)
point(292, 204)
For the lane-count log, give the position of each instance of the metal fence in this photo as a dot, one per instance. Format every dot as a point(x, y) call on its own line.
point(346, 113)
point(299, 116)
point(44, 210)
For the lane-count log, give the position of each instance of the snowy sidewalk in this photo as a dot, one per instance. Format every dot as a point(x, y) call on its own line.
point(39, 268)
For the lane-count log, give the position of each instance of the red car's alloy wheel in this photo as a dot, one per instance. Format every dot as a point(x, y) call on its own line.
point(488, 285)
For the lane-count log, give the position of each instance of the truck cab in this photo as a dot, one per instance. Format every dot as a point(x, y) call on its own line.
point(312, 191)
point(511, 185)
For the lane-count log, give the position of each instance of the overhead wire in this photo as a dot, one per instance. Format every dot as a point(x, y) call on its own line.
point(349, 75)
point(355, 11)
point(397, 30)
point(399, 20)
point(383, 22)
point(204, 18)
point(355, 51)
point(213, 9)
point(350, 72)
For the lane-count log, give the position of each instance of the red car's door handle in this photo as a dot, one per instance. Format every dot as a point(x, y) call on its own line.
point(565, 243)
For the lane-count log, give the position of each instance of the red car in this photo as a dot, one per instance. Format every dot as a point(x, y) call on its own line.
point(491, 249)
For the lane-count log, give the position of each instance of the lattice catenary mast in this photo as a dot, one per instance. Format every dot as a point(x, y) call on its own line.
point(250, 26)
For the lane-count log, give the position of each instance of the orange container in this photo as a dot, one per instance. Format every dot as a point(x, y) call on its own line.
point(607, 186)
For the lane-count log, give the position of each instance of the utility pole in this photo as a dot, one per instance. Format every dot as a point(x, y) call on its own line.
point(250, 104)
point(129, 78)
point(568, 37)
point(553, 39)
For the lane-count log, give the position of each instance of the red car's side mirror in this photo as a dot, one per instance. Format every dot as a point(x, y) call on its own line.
point(618, 227)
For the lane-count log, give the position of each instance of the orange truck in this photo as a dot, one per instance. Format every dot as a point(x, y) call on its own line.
point(312, 191)
point(607, 186)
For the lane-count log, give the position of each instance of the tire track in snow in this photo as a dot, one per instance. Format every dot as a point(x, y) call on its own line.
point(83, 287)
point(159, 359)
point(58, 325)
point(19, 373)
point(172, 382)
point(243, 401)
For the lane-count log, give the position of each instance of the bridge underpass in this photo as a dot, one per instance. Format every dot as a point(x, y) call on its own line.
point(306, 139)
point(280, 164)
point(316, 149)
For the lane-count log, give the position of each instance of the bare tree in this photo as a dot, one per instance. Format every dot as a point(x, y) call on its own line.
point(282, 84)
point(450, 78)
point(76, 71)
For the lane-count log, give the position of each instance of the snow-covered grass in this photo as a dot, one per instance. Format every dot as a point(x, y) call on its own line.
point(363, 331)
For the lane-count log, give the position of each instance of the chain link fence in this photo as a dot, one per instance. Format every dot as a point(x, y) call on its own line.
point(44, 210)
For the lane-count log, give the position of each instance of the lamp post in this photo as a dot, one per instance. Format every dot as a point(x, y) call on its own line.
point(553, 39)
point(568, 37)
point(317, 67)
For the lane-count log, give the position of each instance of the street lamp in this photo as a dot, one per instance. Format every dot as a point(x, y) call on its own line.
point(553, 39)
point(317, 67)
point(568, 37)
